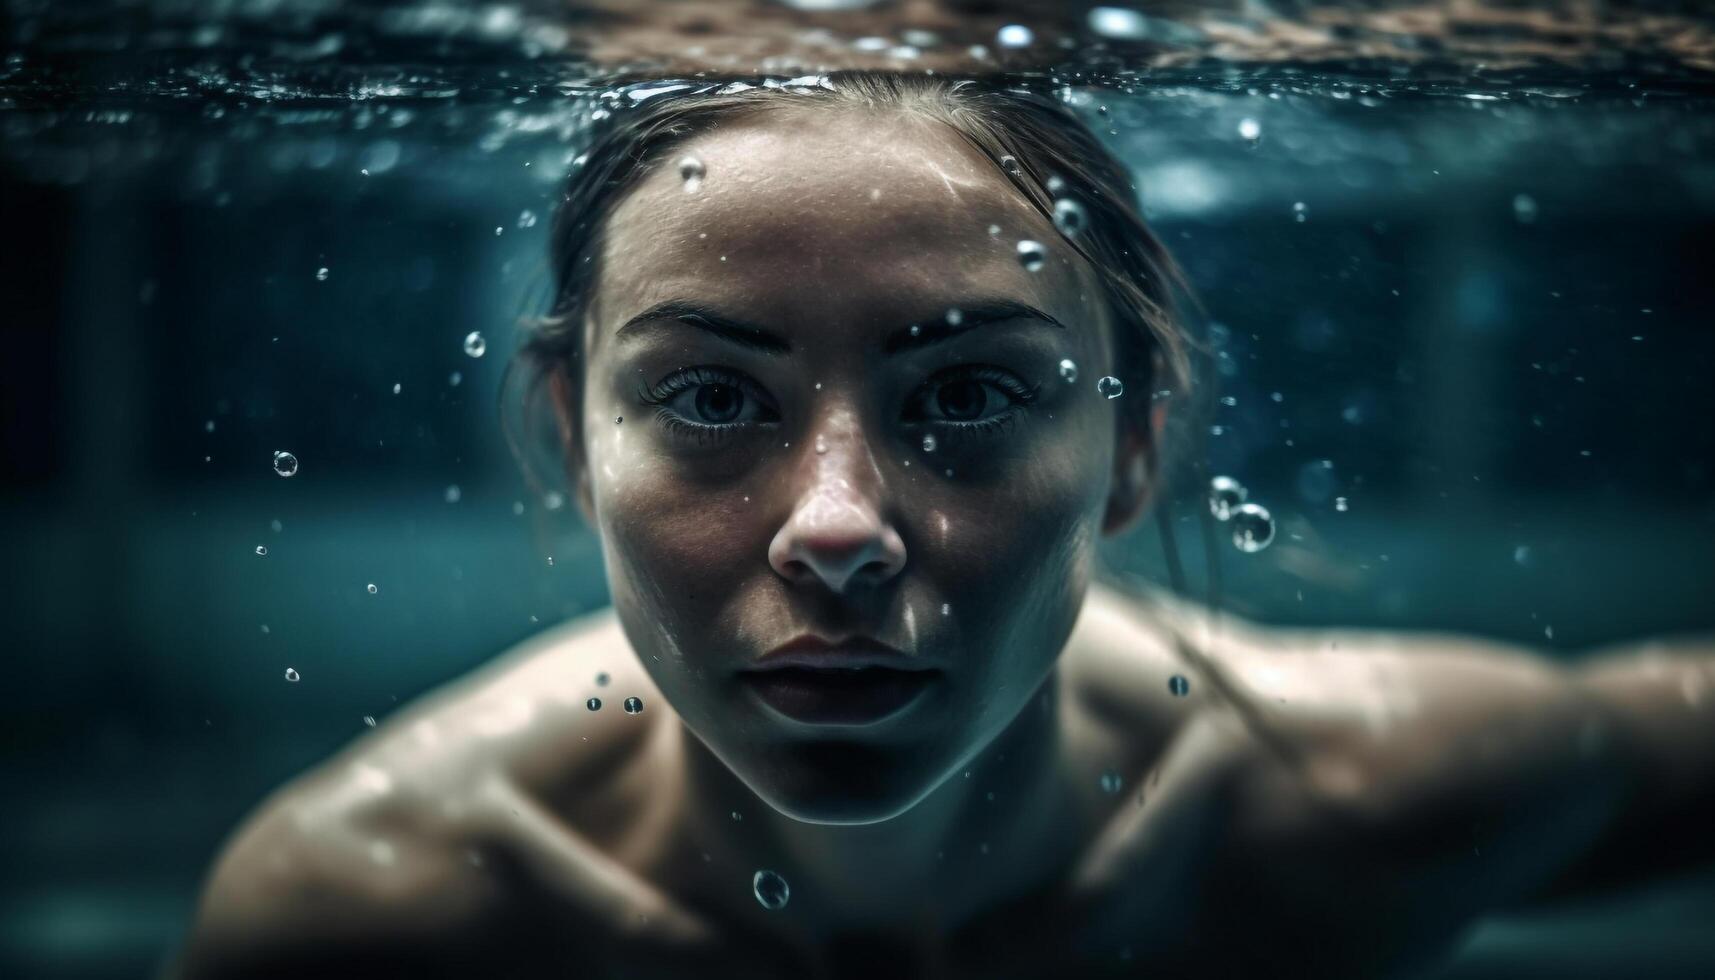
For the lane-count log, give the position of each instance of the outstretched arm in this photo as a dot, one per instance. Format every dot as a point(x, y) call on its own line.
point(1659, 700)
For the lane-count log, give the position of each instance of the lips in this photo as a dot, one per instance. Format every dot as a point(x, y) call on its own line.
point(856, 681)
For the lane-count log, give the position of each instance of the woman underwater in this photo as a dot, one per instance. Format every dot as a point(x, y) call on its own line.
point(813, 394)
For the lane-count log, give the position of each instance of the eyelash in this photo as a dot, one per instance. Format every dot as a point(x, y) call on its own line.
point(684, 379)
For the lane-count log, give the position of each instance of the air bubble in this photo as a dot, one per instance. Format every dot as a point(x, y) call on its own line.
point(474, 344)
point(369, 721)
point(821, 445)
point(1341, 505)
point(1253, 528)
point(1524, 209)
point(1250, 131)
point(691, 171)
point(285, 463)
point(1300, 212)
point(371, 588)
point(1031, 255)
point(1110, 386)
point(291, 675)
point(1178, 686)
point(454, 494)
point(594, 704)
point(770, 890)
point(1111, 782)
point(322, 274)
point(928, 443)
point(633, 705)
point(262, 550)
point(1069, 217)
point(1225, 496)
point(1068, 370)
point(1015, 36)
point(395, 387)
point(526, 219)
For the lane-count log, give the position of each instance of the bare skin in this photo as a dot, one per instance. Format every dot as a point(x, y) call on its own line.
point(502, 823)
point(1385, 791)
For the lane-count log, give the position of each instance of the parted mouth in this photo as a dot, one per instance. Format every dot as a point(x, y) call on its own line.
point(810, 652)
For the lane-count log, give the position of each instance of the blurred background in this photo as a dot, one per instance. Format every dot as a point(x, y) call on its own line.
point(1459, 318)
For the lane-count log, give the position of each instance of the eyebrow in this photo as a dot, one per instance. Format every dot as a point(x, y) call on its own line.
point(930, 330)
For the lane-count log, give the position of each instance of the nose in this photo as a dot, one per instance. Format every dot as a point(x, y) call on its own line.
point(837, 534)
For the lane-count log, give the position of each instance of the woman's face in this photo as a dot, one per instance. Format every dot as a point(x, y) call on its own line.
point(789, 432)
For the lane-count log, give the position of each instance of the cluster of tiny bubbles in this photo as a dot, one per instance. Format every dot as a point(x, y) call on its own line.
point(1178, 686)
point(1031, 255)
point(1110, 386)
point(1068, 370)
point(1250, 131)
point(371, 588)
point(1300, 211)
point(285, 463)
point(633, 705)
point(322, 274)
point(292, 675)
point(1015, 36)
point(1225, 496)
point(770, 889)
point(691, 171)
point(1111, 781)
point(454, 494)
point(262, 550)
point(1253, 528)
point(594, 704)
point(474, 344)
point(928, 442)
point(1069, 217)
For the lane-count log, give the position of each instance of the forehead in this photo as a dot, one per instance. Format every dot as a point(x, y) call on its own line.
point(847, 216)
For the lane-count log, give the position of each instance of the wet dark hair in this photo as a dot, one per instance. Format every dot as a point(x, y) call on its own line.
point(1033, 139)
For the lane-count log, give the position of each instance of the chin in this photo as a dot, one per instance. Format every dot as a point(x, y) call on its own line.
point(843, 783)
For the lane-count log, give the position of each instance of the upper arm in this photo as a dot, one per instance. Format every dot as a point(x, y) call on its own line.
point(316, 879)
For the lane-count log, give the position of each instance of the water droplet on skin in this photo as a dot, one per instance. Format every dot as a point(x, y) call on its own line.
point(262, 550)
point(821, 445)
point(1111, 782)
point(1253, 528)
point(1341, 505)
point(594, 704)
point(770, 889)
point(1225, 495)
point(691, 171)
point(633, 705)
point(474, 344)
point(454, 494)
point(1178, 686)
point(1009, 164)
point(1031, 255)
point(1110, 387)
point(285, 463)
point(371, 589)
point(928, 443)
point(1069, 217)
point(617, 419)
point(322, 274)
point(291, 675)
point(1068, 370)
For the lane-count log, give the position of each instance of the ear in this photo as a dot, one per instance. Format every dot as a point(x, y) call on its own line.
point(568, 416)
point(1136, 464)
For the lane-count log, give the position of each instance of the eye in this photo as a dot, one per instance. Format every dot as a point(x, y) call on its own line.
point(707, 401)
point(971, 397)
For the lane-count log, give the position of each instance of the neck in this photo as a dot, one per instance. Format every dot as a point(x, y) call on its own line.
point(985, 833)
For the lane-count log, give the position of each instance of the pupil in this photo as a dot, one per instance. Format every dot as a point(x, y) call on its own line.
point(961, 400)
point(718, 403)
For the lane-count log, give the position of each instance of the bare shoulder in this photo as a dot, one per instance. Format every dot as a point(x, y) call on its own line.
point(391, 841)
